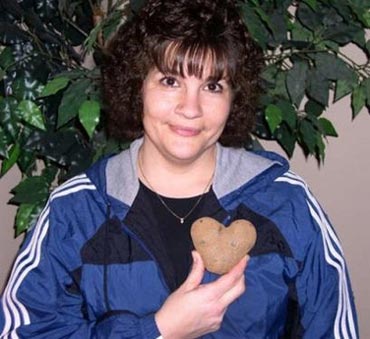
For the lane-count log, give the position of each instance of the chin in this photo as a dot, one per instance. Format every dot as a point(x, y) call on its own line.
point(186, 149)
point(184, 153)
point(184, 157)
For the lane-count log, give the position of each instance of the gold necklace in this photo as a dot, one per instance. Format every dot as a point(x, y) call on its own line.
point(181, 219)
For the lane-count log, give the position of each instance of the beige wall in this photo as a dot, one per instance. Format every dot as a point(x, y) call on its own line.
point(8, 245)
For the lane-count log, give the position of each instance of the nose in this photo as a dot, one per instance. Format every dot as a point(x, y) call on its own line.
point(189, 104)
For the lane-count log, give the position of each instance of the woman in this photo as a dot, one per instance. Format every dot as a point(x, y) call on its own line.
point(111, 255)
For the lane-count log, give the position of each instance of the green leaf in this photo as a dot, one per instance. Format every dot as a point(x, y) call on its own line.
point(278, 25)
point(4, 141)
point(73, 74)
point(26, 88)
point(23, 217)
point(313, 108)
point(10, 34)
point(273, 116)
point(255, 25)
point(362, 12)
point(93, 37)
point(366, 86)
point(342, 33)
point(26, 162)
point(8, 163)
point(327, 127)
point(366, 18)
point(54, 86)
point(26, 217)
point(89, 115)
point(269, 73)
point(318, 88)
point(112, 22)
point(343, 88)
point(2, 74)
point(296, 81)
point(328, 45)
point(6, 57)
point(309, 18)
point(320, 147)
point(308, 134)
point(358, 100)
point(301, 33)
point(287, 140)
point(72, 99)
point(333, 68)
point(30, 191)
point(311, 3)
point(264, 17)
point(289, 113)
point(107, 147)
point(280, 90)
point(8, 118)
point(359, 39)
point(342, 7)
point(31, 113)
point(49, 173)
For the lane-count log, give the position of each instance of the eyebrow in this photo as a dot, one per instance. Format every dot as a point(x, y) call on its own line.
point(216, 79)
point(213, 78)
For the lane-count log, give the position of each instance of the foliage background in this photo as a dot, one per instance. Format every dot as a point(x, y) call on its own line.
point(51, 119)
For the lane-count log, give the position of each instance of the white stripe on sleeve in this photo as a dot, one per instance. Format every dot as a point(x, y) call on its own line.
point(15, 313)
point(344, 326)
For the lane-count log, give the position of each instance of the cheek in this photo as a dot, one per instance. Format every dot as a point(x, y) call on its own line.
point(220, 112)
point(217, 122)
point(157, 105)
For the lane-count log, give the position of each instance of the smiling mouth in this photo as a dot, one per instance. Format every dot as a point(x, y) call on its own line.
point(185, 131)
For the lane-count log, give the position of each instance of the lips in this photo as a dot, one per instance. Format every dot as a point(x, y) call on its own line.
point(185, 131)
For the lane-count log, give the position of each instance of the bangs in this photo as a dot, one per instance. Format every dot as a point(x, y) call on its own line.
point(193, 59)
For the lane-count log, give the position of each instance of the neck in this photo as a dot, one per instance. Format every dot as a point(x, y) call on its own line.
point(176, 179)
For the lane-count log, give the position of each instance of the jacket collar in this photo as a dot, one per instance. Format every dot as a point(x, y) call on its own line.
point(235, 167)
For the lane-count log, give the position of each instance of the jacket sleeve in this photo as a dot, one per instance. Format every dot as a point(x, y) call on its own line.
point(37, 303)
point(323, 286)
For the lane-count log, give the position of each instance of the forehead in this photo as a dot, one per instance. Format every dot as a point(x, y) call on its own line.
point(192, 59)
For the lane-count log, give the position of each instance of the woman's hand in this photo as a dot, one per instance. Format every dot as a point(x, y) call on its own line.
point(194, 309)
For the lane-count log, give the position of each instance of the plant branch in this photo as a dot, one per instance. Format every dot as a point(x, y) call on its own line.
point(71, 23)
point(362, 70)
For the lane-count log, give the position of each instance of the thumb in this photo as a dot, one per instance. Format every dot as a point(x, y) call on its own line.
point(196, 274)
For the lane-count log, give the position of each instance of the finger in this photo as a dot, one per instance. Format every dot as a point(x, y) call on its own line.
point(239, 268)
point(235, 292)
point(239, 287)
point(196, 274)
point(230, 279)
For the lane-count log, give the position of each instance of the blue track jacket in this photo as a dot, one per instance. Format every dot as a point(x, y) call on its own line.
point(92, 268)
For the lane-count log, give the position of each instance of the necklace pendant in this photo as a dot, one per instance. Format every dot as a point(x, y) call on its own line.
point(181, 220)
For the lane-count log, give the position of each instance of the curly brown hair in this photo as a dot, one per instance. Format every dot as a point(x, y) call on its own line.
point(174, 35)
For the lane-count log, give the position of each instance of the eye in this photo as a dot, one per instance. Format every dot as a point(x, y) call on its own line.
point(215, 87)
point(169, 81)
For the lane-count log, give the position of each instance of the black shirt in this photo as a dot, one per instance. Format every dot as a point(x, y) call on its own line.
point(175, 235)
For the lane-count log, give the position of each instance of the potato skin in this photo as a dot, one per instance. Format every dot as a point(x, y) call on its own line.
point(220, 247)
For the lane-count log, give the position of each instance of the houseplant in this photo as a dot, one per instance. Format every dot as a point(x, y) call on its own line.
point(51, 121)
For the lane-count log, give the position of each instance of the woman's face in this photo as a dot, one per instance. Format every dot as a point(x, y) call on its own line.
point(183, 117)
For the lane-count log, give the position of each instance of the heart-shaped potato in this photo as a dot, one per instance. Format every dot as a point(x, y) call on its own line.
point(220, 247)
